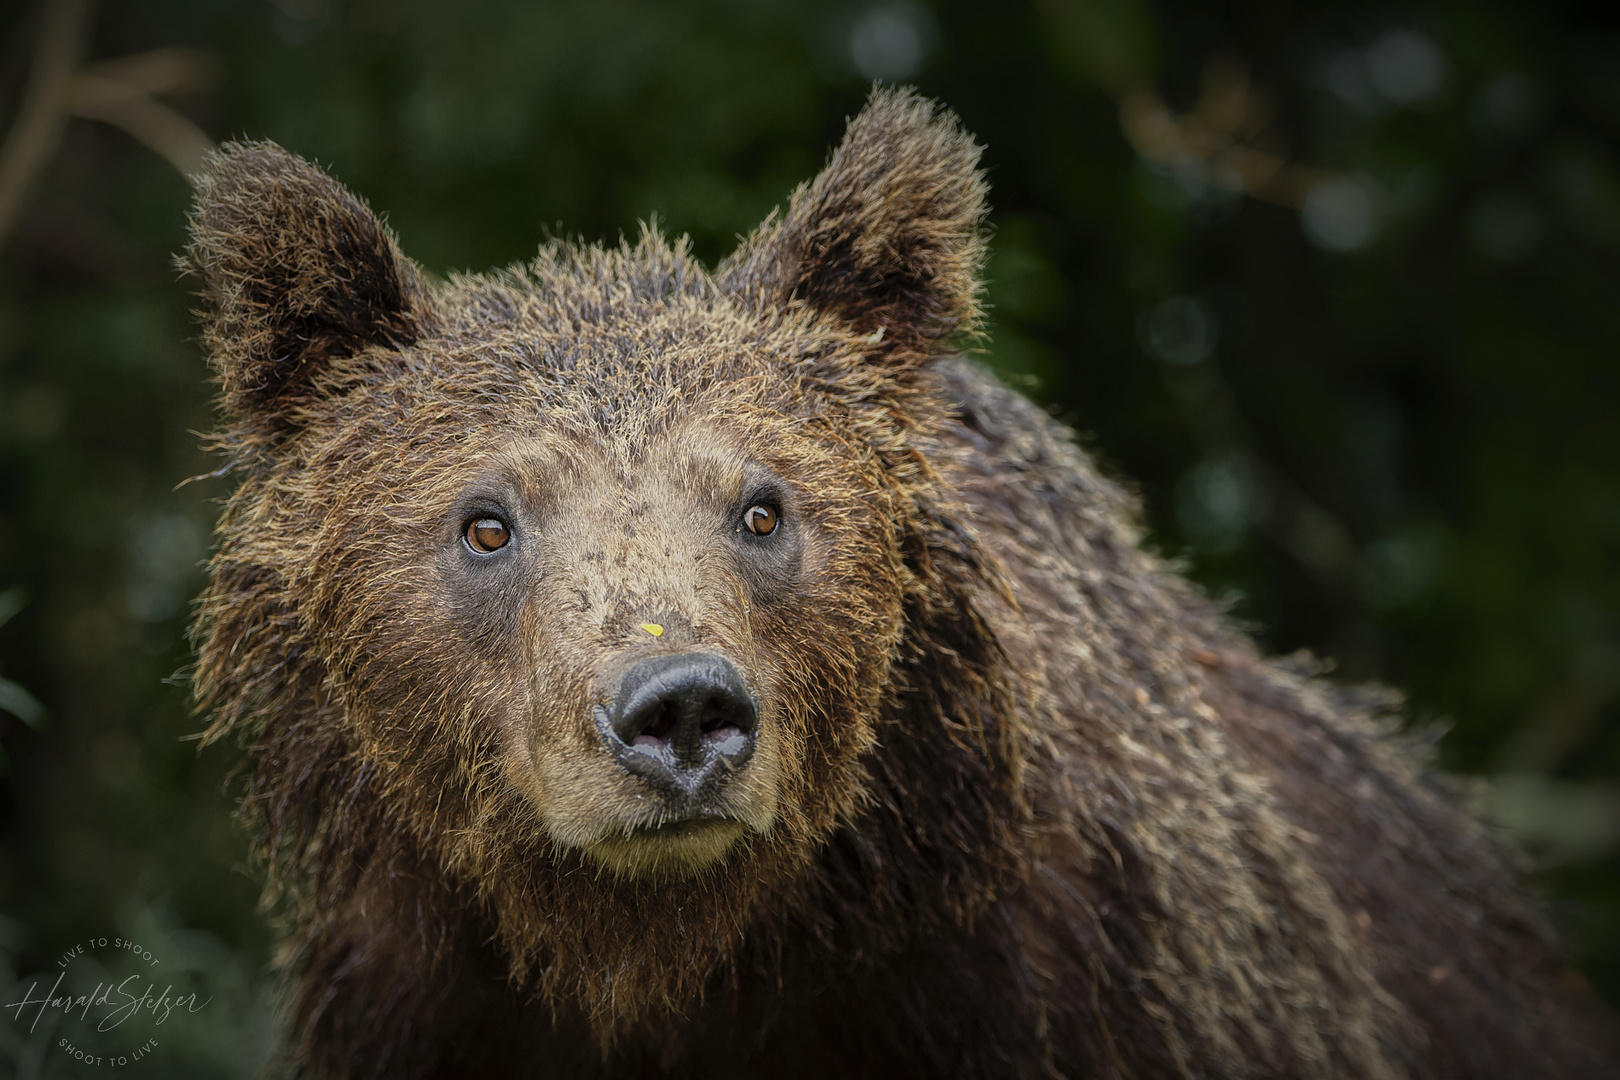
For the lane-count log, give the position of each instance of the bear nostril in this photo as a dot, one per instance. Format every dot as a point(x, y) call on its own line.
point(714, 716)
point(660, 726)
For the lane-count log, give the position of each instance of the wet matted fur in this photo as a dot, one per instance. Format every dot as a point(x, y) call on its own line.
point(1020, 802)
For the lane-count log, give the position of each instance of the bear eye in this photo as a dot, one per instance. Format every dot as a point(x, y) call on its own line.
point(487, 534)
point(760, 519)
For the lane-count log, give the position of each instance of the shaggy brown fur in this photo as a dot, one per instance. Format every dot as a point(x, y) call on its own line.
point(1019, 802)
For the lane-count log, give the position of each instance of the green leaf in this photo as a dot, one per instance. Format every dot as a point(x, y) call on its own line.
point(21, 704)
point(12, 601)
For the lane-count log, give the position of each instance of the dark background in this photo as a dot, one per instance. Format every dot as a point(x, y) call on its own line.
point(1337, 286)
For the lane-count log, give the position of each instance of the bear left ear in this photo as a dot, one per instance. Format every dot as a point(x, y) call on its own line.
point(889, 237)
point(299, 274)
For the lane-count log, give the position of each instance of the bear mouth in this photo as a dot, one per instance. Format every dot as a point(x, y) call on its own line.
point(681, 827)
point(668, 849)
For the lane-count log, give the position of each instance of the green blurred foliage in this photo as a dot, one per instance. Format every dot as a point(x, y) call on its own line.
point(1383, 422)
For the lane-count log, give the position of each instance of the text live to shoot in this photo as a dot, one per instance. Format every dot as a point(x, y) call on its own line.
point(109, 1005)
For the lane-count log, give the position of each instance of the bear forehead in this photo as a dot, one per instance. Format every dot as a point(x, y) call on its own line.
point(608, 371)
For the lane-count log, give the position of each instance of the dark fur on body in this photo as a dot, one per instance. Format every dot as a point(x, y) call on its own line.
point(1022, 803)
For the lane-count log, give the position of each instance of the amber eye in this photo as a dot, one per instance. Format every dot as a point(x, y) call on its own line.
point(760, 519)
point(488, 534)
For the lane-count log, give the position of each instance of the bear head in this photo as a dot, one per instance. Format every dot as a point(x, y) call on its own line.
point(605, 562)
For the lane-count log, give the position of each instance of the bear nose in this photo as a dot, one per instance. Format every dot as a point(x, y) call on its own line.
point(682, 721)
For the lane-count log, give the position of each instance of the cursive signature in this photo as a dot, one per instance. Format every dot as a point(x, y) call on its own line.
point(114, 1002)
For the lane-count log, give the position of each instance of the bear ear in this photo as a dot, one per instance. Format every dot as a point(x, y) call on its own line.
point(299, 274)
point(889, 237)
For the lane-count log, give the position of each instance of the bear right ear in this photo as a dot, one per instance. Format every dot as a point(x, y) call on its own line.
point(298, 272)
point(888, 240)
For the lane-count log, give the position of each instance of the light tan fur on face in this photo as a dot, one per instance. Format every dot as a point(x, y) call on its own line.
point(642, 539)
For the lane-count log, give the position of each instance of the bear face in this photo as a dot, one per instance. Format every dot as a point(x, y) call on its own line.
point(609, 511)
point(606, 559)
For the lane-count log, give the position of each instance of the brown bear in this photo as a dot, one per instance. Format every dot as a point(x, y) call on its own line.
point(650, 669)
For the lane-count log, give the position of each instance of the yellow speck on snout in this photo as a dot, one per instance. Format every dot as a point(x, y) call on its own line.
point(653, 628)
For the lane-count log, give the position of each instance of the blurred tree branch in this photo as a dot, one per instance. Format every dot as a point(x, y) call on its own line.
point(38, 128)
point(1114, 42)
point(118, 92)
